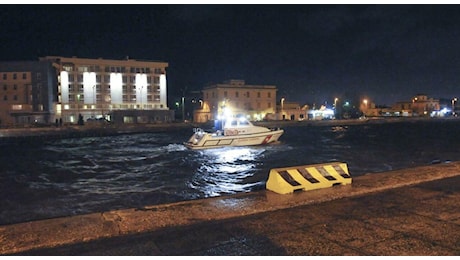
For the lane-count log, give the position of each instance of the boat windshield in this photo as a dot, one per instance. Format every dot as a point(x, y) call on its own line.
point(236, 122)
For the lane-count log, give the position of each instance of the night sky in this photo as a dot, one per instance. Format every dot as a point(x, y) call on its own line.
point(312, 53)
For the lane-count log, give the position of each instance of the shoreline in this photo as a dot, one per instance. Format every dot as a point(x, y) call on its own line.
point(92, 130)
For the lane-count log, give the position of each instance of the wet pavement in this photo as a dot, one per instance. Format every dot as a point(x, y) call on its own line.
point(405, 212)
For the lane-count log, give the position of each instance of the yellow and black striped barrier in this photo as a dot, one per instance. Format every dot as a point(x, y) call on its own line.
point(308, 177)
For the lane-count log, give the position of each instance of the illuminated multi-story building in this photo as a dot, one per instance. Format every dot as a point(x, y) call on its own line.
point(124, 91)
point(27, 91)
point(61, 88)
point(255, 101)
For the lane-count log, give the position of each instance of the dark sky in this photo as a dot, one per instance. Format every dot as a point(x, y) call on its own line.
point(311, 52)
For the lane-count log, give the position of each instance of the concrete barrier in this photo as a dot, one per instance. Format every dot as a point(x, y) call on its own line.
point(308, 177)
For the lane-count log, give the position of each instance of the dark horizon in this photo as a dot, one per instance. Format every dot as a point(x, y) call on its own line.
point(312, 53)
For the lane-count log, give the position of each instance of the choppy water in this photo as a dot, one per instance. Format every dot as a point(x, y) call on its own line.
point(83, 175)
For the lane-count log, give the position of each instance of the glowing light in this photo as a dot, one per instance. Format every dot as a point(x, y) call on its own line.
point(141, 88)
point(227, 112)
point(89, 83)
point(116, 89)
point(64, 87)
point(163, 90)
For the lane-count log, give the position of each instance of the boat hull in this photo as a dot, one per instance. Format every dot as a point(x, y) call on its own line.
point(207, 140)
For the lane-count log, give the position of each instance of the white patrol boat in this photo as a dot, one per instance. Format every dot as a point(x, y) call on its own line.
point(236, 131)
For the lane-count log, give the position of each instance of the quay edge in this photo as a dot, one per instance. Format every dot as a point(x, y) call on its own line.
point(62, 235)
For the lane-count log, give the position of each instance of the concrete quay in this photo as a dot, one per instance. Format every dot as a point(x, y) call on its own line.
point(404, 212)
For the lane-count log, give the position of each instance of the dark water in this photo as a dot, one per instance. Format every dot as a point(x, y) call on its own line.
point(83, 175)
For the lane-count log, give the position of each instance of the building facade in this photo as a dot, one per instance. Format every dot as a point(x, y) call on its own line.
point(291, 111)
point(94, 88)
point(68, 89)
point(27, 93)
point(255, 101)
point(420, 105)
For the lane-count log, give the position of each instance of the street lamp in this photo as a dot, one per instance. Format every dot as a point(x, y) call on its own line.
point(453, 105)
point(94, 100)
point(365, 107)
point(183, 109)
point(78, 103)
point(282, 108)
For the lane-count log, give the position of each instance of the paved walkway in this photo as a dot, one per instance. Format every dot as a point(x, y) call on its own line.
point(405, 212)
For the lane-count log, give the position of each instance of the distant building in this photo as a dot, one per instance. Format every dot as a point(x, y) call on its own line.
point(291, 111)
point(27, 93)
point(256, 101)
point(420, 105)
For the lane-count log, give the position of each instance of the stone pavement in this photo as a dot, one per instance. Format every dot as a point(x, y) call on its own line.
point(405, 212)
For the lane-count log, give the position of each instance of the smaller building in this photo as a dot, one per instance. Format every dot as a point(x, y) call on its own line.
point(323, 113)
point(27, 92)
point(256, 101)
point(291, 111)
point(420, 105)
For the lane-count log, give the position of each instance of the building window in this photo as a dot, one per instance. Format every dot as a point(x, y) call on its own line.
point(15, 76)
point(4, 76)
point(15, 97)
point(225, 94)
point(269, 94)
point(237, 94)
point(39, 76)
point(269, 105)
point(67, 67)
point(5, 97)
point(247, 94)
point(24, 76)
point(5, 87)
point(258, 94)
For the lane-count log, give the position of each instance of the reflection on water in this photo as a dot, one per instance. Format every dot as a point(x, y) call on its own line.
point(83, 175)
point(225, 170)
